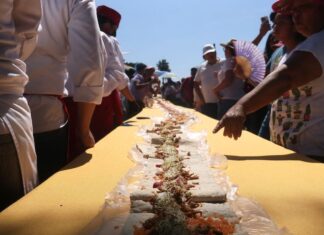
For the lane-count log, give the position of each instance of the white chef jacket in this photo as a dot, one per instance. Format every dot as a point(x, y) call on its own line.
point(124, 80)
point(115, 76)
point(19, 22)
point(69, 48)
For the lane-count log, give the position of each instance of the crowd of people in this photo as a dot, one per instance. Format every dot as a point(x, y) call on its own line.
point(63, 85)
point(294, 88)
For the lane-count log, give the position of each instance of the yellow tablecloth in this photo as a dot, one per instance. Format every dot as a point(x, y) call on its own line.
point(289, 186)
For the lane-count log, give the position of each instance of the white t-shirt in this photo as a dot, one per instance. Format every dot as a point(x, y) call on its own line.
point(205, 75)
point(235, 90)
point(297, 118)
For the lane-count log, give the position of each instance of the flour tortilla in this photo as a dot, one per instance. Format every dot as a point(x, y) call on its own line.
point(208, 193)
point(140, 206)
point(207, 209)
point(218, 209)
point(145, 194)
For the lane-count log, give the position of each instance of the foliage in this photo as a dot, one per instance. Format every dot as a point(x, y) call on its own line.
point(163, 65)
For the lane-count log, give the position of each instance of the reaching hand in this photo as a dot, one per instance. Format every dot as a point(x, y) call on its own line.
point(265, 27)
point(233, 122)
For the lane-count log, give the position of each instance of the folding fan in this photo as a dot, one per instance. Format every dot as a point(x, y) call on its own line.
point(254, 56)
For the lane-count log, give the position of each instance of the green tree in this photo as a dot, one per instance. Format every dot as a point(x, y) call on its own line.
point(163, 65)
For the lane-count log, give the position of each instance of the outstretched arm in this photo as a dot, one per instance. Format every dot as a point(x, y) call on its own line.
point(299, 69)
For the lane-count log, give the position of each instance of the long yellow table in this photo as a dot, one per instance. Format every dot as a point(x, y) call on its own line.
point(289, 186)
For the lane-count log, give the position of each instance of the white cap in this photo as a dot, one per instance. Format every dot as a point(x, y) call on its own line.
point(208, 48)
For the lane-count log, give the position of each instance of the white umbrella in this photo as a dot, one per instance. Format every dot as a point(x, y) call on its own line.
point(163, 75)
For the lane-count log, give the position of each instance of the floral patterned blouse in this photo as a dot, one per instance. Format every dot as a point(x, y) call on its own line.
point(297, 118)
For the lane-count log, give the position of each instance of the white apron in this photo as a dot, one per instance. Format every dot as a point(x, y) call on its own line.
point(15, 113)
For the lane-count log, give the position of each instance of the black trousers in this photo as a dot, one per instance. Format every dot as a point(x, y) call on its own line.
point(254, 120)
point(134, 108)
point(51, 149)
point(11, 184)
point(210, 109)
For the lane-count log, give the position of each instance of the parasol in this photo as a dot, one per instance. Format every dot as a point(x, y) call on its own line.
point(163, 75)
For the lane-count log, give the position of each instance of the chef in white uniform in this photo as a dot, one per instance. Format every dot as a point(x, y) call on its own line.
point(109, 113)
point(69, 47)
point(109, 20)
point(19, 21)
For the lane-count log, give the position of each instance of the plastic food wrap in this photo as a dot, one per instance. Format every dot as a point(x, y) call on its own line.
point(116, 211)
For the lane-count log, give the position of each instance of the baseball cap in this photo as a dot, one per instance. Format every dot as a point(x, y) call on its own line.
point(208, 48)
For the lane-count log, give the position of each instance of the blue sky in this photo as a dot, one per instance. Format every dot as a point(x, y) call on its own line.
point(176, 30)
